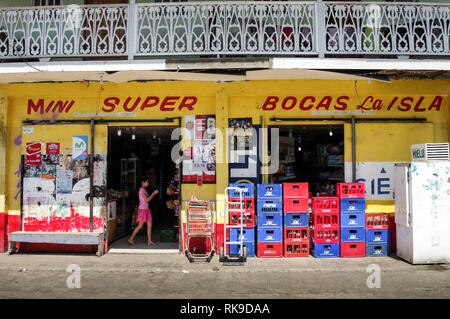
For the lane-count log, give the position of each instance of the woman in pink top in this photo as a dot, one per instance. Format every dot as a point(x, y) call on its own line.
point(144, 214)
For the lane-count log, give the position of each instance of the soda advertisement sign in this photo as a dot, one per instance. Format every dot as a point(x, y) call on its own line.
point(33, 154)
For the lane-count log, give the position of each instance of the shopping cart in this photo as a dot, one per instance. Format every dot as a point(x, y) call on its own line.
point(224, 252)
point(199, 224)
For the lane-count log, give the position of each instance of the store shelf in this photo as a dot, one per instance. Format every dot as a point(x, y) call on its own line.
point(335, 165)
point(336, 179)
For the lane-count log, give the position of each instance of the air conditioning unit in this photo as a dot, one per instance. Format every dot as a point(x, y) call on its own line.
point(430, 152)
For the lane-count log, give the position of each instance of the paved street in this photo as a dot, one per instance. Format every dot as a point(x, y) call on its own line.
point(172, 276)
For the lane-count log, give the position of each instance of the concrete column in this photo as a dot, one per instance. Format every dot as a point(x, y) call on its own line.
point(3, 208)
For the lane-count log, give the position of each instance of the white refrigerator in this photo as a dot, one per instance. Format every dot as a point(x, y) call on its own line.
point(422, 211)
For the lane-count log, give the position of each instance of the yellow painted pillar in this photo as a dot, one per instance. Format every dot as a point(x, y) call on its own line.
point(222, 105)
point(3, 145)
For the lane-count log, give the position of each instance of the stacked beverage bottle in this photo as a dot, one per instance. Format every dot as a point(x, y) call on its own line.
point(296, 219)
point(377, 234)
point(248, 219)
point(352, 214)
point(269, 225)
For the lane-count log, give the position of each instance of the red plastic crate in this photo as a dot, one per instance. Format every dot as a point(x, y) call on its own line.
point(325, 235)
point(295, 205)
point(269, 250)
point(296, 249)
point(248, 204)
point(325, 220)
point(325, 205)
point(377, 221)
point(357, 249)
point(249, 219)
point(350, 190)
point(296, 234)
point(295, 190)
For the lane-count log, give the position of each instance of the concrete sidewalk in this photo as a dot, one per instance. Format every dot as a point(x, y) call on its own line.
point(172, 276)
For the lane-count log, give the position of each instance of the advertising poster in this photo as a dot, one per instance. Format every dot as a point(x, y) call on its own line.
point(33, 154)
point(200, 149)
point(52, 148)
point(80, 147)
point(48, 171)
point(64, 182)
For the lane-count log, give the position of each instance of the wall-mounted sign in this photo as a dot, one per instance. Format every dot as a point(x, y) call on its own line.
point(33, 154)
point(80, 147)
point(243, 150)
point(28, 130)
point(52, 148)
point(200, 149)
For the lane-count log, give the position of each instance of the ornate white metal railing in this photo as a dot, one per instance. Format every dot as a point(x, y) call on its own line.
point(377, 28)
point(226, 28)
point(63, 31)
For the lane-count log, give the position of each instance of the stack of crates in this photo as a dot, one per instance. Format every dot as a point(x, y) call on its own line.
point(269, 226)
point(325, 227)
point(353, 223)
point(377, 234)
point(248, 233)
point(296, 219)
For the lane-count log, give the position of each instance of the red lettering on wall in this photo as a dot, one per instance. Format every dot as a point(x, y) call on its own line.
point(38, 107)
point(135, 104)
point(146, 103)
point(341, 105)
point(392, 103)
point(190, 105)
point(307, 107)
point(325, 103)
point(111, 103)
point(406, 106)
point(169, 101)
point(288, 103)
point(363, 104)
point(272, 101)
point(436, 103)
point(417, 106)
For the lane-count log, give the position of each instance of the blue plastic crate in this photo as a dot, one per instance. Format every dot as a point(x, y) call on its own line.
point(269, 191)
point(273, 235)
point(247, 233)
point(352, 205)
point(235, 249)
point(269, 205)
point(353, 220)
point(325, 250)
point(248, 190)
point(377, 250)
point(353, 234)
point(377, 235)
point(269, 220)
point(296, 219)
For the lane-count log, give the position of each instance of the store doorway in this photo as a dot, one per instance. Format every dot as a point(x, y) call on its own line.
point(313, 154)
point(135, 152)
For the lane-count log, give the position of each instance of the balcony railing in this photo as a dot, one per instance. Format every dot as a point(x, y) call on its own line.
point(226, 28)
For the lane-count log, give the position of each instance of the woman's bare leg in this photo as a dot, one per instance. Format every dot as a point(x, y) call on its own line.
point(149, 234)
point(136, 230)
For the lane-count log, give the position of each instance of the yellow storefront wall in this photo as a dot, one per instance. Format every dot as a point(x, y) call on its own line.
point(405, 98)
